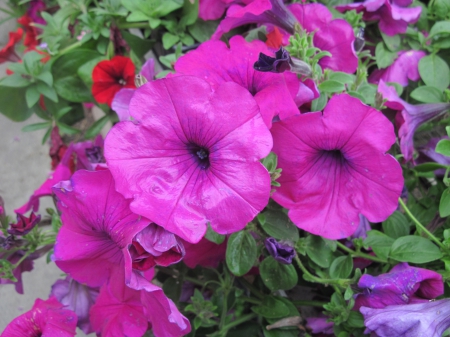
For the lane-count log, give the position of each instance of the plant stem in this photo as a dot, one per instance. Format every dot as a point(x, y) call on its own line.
point(69, 48)
point(419, 225)
point(252, 289)
point(127, 25)
point(310, 303)
point(252, 300)
point(335, 282)
point(359, 254)
point(238, 321)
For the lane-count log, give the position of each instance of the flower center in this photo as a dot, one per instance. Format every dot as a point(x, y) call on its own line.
point(201, 154)
point(122, 81)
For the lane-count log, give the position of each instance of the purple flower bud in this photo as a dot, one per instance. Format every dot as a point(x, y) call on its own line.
point(282, 252)
point(429, 319)
point(278, 64)
point(24, 224)
point(94, 154)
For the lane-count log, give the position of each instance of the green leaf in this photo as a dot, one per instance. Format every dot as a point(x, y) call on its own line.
point(443, 147)
point(355, 319)
point(379, 242)
point(95, 128)
point(440, 27)
point(213, 236)
point(36, 126)
point(444, 204)
point(46, 77)
point(31, 60)
point(32, 95)
point(271, 307)
point(319, 103)
point(368, 91)
point(318, 251)
point(393, 43)
point(383, 56)
point(202, 30)
point(429, 167)
point(12, 104)
point(396, 225)
point(342, 77)
point(434, 71)
point(280, 333)
point(427, 94)
point(138, 45)
point(331, 86)
point(15, 81)
point(47, 91)
point(357, 95)
point(68, 63)
point(73, 89)
point(241, 253)
point(169, 40)
point(278, 225)
point(85, 71)
point(64, 128)
point(190, 12)
point(277, 276)
point(341, 267)
point(414, 249)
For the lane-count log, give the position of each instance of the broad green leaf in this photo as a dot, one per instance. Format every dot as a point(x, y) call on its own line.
point(95, 128)
point(47, 91)
point(434, 71)
point(138, 45)
point(414, 249)
point(427, 94)
point(331, 86)
point(440, 27)
point(341, 267)
point(393, 43)
point(319, 103)
point(169, 40)
point(213, 236)
point(383, 56)
point(271, 307)
point(241, 253)
point(368, 91)
point(355, 319)
point(379, 242)
point(32, 95)
point(318, 251)
point(68, 63)
point(342, 77)
point(278, 225)
point(396, 225)
point(202, 30)
point(85, 71)
point(443, 147)
point(46, 77)
point(357, 95)
point(277, 276)
point(14, 81)
point(444, 204)
point(73, 89)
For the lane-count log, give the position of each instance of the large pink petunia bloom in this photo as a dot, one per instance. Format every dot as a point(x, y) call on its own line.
point(46, 318)
point(335, 167)
point(404, 68)
point(413, 116)
point(192, 157)
point(278, 95)
point(393, 16)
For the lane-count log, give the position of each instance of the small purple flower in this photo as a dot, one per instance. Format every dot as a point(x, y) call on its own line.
point(363, 228)
point(24, 224)
point(402, 285)
point(320, 325)
point(428, 153)
point(413, 116)
point(94, 154)
point(428, 319)
point(282, 252)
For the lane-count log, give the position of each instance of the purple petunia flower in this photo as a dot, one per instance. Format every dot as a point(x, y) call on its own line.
point(393, 16)
point(46, 318)
point(281, 252)
point(335, 167)
point(216, 63)
point(413, 116)
point(192, 156)
point(428, 153)
point(76, 297)
point(320, 325)
point(428, 319)
point(402, 285)
point(405, 67)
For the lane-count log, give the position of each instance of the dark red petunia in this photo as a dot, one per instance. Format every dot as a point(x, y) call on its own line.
point(31, 32)
point(111, 76)
point(8, 53)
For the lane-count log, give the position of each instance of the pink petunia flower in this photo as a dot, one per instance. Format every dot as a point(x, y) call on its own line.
point(216, 63)
point(413, 116)
point(46, 318)
point(393, 16)
point(192, 157)
point(405, 67)
point(204, 253)
point(335, 167)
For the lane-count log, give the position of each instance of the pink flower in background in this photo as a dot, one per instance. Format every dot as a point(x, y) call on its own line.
point(393, 16)
point(405, 67)
point(413, 116)
point(334, 36)
point(204, 253)
point(277, 95)
point(335, 167)
point(46, 318)
point(192, 156)
point(76, 297)
point(402, 285)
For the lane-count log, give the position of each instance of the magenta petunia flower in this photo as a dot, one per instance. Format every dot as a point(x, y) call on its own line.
point(76, 297)
point(404, 68)
point(413, 116)
point(192, 157)
point(402, 285)
point(216, 63)
point(122, 311)
point(393, 16)
point(335, 36)
point(429, 319)
point(335, 167)
point(46, 318)
point(204, 253)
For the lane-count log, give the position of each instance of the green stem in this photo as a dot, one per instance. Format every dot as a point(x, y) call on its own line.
point(21, 259)
point(69, 48)
point(223, 316)
point(422, 227)
point(252, 289)
point(310, 303)
point(252, 300)
point(334, 282)
point(359, 254)
point(238, 321)
point(126, 25)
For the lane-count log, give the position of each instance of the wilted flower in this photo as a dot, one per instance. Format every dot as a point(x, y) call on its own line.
point(402, 285)
point(280, 63)
point(46, 318)
point(31, 33)
point(196, 162)
point(429, 319)
point(335, 167)
point(24, 224)
point(281, 252)
point(8, 53)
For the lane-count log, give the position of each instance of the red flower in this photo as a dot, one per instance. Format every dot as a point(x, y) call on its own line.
point(274, 39)
point(111, 76)
point(30, 32)
point(8, 53)
point(24, 224)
